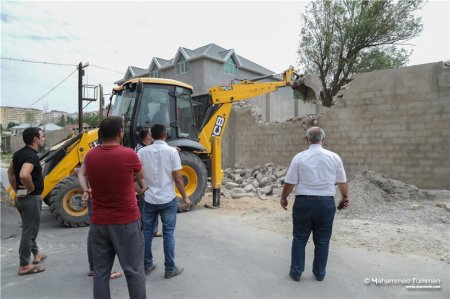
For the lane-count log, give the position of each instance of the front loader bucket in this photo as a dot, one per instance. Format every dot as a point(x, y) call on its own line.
point(308, 86)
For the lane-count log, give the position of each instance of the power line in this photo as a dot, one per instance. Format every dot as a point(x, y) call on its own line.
point(56, 63)
point(104, 68)
point(54, 87)
point(40, 62)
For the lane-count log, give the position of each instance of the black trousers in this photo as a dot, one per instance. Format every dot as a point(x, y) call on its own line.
point(29, 209)
point(127, 241)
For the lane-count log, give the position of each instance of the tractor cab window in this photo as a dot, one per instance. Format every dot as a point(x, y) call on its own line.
point(123, 107)
point(155, 107)
point(185, 116)
point(124, 104)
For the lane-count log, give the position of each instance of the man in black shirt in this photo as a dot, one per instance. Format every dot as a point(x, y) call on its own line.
point(25, 177)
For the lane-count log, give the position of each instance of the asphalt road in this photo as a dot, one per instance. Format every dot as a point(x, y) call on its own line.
point(222, 259)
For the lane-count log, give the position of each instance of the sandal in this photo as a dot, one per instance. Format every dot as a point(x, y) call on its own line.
point(114, 274)
point(42, 256)
point(33, 270)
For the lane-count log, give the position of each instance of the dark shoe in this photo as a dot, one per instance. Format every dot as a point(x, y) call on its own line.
point(175, 272)
point(295, 278)
point(319, 278)
point(149, 269)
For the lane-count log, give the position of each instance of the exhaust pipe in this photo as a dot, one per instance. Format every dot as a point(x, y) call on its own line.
point(308, 86)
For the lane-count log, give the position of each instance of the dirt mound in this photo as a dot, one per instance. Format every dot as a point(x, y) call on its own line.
point(374, 196)
point(384, 215)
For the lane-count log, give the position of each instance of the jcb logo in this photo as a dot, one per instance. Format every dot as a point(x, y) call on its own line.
point(220, 121)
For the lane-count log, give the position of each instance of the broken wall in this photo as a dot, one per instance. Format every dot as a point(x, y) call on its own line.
point(396, 122)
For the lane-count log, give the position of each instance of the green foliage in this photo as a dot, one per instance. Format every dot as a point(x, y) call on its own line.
point(71, 121)
point(12, 124)
point(91, 118)
point(30, 117)
point(343, 37)
point(62, 121)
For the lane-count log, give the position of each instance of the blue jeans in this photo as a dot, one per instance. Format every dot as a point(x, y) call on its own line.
point(168, 213)
point(90, 239)
point(140, 200)
point(316, 215)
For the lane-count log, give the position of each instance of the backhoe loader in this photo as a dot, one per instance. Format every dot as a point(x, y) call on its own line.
point(142, 102)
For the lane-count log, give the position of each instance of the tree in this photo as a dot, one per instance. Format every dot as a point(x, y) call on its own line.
point(12, 124)
point(70, 120)
point(91, 118)
point(30, 117)
point(62, 121)
point(343, 37)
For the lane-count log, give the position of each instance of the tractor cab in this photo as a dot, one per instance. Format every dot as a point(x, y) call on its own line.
point(143, 102)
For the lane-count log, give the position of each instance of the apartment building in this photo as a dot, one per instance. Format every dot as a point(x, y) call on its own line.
point(53, 116)
point(19, 115)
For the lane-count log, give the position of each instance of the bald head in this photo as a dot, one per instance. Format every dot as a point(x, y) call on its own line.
point(315, 135)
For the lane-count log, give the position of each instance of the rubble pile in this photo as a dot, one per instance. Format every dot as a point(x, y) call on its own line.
point(260, 181)
point(249, 107)
point(306, 121)
point(374, 196)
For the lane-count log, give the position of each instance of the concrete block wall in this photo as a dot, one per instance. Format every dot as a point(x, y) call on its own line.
point(51, 138)
point(281, 106)
point(250, 144)
point(396, 122)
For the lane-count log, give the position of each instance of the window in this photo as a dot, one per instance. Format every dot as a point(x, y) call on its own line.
point(155, 74)
point(185, 115)
point(155, 106)
point(182, 65)
point(230, 67)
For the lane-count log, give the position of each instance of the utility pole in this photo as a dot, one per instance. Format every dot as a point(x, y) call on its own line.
point(80, 95)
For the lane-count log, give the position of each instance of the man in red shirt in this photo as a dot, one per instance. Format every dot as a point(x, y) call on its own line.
point(107, 175)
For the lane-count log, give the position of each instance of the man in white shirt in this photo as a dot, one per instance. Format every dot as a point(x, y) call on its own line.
point(313, 175)
point(161, 164)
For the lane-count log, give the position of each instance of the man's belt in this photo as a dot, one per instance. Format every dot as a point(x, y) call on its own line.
point(313, 197)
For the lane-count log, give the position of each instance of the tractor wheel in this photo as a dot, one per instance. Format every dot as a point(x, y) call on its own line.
point(48, 167)
point(195, 178)
point(66, 205)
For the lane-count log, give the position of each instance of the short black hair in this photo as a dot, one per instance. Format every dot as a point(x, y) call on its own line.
point(143, 133)
point(110, 127)
point(29, 134)
point(158, 131)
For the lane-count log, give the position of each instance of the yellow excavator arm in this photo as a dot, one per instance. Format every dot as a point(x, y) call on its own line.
point(223, 97)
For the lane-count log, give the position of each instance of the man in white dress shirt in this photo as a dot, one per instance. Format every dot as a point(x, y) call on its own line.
point(162, 165)
point(313, 175)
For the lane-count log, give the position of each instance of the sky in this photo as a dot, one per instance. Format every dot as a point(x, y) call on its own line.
point(114, 35)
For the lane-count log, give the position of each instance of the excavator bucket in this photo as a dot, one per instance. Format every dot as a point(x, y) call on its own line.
point(308, 86)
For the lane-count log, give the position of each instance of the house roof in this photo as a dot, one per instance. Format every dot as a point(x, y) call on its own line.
point(138, 71)
point(218, 53)
point(23, 126)
point(132, 71)
point(50, 127)
point(210, 51)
